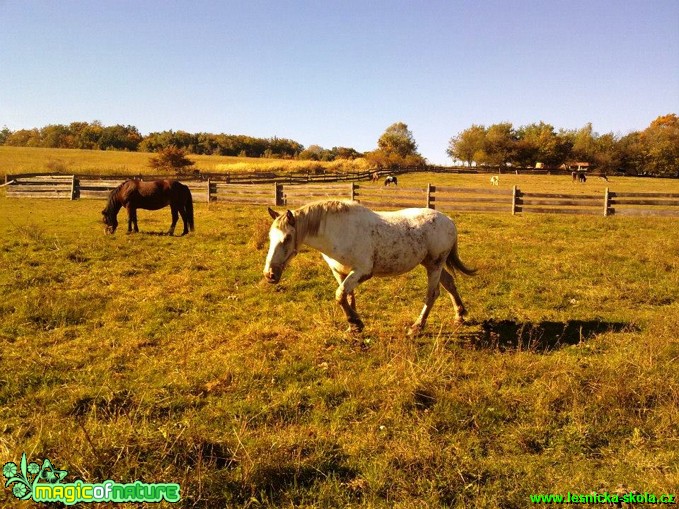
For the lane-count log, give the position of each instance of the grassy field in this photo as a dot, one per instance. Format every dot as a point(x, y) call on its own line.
point(146, 357)
point(15, 160)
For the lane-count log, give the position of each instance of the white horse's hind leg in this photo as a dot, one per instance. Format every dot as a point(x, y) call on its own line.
point(433, 276)
point(448, 283)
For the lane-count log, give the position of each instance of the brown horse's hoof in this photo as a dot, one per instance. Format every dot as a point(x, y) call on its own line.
point(355, 327)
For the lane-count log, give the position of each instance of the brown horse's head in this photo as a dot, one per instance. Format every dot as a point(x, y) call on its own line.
point(110, 220)
point(282, 245)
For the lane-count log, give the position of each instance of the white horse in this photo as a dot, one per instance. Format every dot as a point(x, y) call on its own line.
point(495, 180)
point(358, 244)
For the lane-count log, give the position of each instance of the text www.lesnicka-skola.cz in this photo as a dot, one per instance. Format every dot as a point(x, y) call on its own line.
point(603, 498)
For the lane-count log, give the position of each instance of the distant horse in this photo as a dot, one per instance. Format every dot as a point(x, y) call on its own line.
point(391, 179)
point(374, 177)
point(358, 244)
point(495, 180)
point(579, 176)
point(153, 195)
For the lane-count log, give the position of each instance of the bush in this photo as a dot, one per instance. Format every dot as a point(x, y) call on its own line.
point(171, 159)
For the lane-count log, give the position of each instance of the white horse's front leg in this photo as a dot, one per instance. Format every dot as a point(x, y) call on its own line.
point(345, 298)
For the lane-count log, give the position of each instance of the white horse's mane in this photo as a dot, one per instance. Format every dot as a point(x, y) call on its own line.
point(308, 219)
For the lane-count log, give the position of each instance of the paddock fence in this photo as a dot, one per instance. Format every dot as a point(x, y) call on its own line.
point(377, 196)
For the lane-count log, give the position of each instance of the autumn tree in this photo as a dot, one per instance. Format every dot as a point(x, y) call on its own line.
point(660, 144)
point(171, 159)
point(396, 148)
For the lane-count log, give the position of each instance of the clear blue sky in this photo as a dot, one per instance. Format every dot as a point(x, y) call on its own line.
point(338, 73)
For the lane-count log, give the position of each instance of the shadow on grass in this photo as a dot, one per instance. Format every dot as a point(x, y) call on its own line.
point(545, 336)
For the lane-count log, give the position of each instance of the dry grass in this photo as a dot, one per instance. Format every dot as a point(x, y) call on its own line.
point(168, 360)
point(15, 160)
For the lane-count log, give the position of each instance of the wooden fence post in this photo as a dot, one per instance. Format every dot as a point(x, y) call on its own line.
point(278, 194)
point(352, 191)
point(514, 196)
point(606, 199)
point(73, 190)
point(209, 187)
point(430, 199)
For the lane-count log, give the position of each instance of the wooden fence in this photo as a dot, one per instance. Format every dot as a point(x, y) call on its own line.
point(444, 198)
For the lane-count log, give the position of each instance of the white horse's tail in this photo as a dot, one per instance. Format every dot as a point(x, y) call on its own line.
point(454, 263)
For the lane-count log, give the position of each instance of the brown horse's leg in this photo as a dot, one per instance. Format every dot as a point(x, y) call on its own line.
point(175, 218)
point(183, 213)
point(433, 278)
point(448, 283)
point(132, 219)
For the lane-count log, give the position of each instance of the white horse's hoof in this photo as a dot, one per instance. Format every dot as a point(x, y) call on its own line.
point(414, 331)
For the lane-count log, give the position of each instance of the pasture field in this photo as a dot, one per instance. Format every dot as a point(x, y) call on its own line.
point(159, 359)
point(15, 160)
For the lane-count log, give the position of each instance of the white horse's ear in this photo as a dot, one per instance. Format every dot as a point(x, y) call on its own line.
point(291, 218)
point(273, 213)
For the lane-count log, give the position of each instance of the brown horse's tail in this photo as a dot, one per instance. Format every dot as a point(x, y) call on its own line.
point(454, 263)
point(188, 207)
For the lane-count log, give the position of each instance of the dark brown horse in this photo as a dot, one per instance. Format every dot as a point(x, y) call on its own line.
point(153, 195)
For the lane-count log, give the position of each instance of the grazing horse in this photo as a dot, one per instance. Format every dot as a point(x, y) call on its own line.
point(153, 195)
point(579, 176)
point(391, 179)
point(358, 244)
point(495, 180)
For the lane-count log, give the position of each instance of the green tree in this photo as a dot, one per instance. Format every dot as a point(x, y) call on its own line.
point(584, 144)
point(4, 134)
point(315, 153)
point(607, 155)
point(468, 145)
point(500, 144)
point(397, 139)
point(540, 143)
point(57, 136)
point(345, 153)
point(119, 137)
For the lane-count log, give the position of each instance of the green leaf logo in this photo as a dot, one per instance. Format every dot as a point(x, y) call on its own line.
point(23, 477)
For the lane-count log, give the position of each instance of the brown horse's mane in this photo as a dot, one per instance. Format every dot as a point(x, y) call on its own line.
point(113, 204)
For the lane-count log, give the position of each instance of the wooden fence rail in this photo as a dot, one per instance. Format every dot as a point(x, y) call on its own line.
point(444, 198)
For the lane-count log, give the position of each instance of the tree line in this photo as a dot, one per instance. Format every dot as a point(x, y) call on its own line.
point(95, 136)
point(653, 151)
point(395, 148)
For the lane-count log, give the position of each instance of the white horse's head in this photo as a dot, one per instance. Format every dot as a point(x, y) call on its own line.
point(282, 245)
